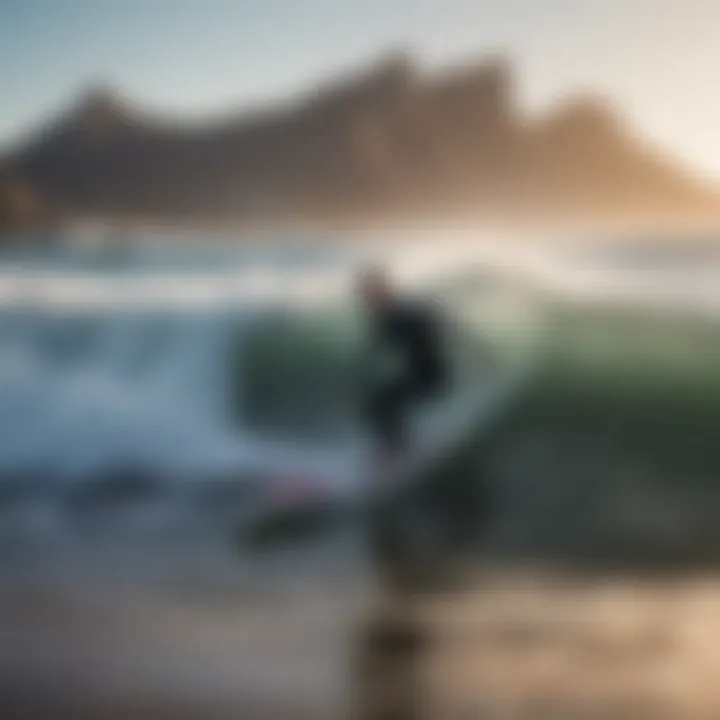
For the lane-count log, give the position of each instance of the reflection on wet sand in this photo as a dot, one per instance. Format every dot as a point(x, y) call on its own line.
point(413, 541)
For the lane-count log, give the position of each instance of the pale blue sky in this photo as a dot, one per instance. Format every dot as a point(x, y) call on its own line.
point(659, 60)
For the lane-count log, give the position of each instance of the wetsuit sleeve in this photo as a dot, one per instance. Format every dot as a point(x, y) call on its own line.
point(429, 350)
point(363, 377)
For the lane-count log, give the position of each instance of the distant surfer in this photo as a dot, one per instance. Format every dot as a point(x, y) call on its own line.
point(405, 365)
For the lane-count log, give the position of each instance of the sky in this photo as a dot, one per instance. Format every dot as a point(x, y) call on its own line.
point(658, 61)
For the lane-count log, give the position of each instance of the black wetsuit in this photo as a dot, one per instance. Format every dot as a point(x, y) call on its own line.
point(406, 338)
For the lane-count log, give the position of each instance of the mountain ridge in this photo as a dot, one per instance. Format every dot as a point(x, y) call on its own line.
point(389, 140)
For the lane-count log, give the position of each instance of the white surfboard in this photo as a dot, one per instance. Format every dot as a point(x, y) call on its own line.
point(439, 431)
point(442, 428)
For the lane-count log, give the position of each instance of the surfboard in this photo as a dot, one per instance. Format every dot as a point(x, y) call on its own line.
point(443, 429)
point(439, 430)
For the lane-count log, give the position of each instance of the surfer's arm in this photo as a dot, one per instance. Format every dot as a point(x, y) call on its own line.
point(362, 380)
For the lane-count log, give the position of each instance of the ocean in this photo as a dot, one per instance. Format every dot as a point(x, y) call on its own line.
point(154, 386)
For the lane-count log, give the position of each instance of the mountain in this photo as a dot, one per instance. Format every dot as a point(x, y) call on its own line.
point(20, 207)
point(389, 140)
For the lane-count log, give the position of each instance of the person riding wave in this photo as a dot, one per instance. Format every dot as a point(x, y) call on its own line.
point(405, 365)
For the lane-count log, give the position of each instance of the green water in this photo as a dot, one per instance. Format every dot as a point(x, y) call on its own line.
point(297, 373)
point(612, 456)
point(300, 371)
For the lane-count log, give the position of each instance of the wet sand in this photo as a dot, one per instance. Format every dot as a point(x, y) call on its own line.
point(279, 654)
point(523, 646)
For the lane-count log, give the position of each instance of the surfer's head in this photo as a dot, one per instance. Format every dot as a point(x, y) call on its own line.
point(374, 287)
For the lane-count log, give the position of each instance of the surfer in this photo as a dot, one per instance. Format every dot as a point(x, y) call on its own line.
point(405, 364)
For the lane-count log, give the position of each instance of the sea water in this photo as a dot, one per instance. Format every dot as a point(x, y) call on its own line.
point(130, 446)
point(150, 384)
point(178, 361)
